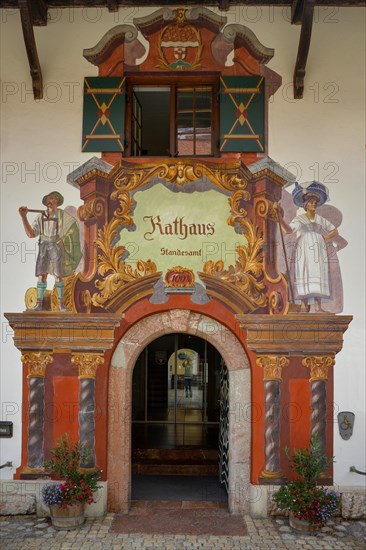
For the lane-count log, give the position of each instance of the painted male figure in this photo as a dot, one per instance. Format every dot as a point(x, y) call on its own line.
point(59, 245)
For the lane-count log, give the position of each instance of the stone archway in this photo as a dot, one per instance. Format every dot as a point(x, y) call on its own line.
point(120, 401)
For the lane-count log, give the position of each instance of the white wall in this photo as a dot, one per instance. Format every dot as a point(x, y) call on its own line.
point(320, 136)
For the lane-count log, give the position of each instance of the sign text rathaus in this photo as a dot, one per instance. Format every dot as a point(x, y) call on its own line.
point(177, 227)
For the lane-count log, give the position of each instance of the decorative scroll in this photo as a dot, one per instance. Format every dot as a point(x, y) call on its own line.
point(318, 366)
point(236, 205)
point(247, 273)
point(272, 366)
point(264, 208)
point(178, 173)
point(111, 262)
point(92, 209)
point(37, 363)
point(87, 363)
point(275, 302)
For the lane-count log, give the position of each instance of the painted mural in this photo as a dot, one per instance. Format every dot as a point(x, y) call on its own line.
point(172, 242)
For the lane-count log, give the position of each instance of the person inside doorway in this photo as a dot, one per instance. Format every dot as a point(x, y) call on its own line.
point(188, 372)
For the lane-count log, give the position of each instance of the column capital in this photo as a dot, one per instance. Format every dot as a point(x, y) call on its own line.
point(272, 366)
point(318, 365)
point(36, 363)
point(87, 363)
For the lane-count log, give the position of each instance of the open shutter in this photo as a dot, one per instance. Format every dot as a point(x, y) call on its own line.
point(104, 114)
point(242, 114)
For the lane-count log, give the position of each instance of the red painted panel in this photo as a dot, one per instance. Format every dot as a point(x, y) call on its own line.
point(66, 406)
point(299, 410)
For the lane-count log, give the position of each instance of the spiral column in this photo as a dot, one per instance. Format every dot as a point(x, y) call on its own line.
point(272, 376)
point(87, 364)
point(36, 364)
point(319, 366)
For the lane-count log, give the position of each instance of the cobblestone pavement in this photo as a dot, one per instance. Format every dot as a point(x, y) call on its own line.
point(26, 532)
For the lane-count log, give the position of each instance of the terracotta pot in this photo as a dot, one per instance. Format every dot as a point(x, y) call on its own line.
point(68, 518)
point(302, 524)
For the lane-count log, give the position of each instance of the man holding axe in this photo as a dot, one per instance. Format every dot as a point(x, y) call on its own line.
point(59, 244)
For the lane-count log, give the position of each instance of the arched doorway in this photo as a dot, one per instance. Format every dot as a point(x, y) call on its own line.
point(123, 362)
point(180, 421)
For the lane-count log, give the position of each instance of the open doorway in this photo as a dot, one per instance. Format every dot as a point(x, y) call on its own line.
point(179, 444)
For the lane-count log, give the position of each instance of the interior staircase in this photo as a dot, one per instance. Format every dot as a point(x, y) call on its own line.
point(179, 461)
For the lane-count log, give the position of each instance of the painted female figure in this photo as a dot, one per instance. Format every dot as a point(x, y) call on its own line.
point(312, 231)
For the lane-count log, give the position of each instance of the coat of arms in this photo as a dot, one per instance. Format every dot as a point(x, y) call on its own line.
point(180, 45)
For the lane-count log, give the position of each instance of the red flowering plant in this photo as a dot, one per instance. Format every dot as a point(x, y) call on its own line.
point(302, 497)
point(78, 485)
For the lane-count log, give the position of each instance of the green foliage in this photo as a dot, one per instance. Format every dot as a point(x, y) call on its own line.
point(309, 463)
point(65, 463)
point(302, 497)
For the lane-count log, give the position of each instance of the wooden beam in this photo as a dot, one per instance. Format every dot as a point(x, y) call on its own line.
point(112, 5)
point(296, 11)
point(304, 46)
point(39, 12)
point(30, 44)
point(224, 5)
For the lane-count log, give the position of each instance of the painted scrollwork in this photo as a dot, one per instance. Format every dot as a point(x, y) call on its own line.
point(112, 267)
point(247, 273)
point(92, 209)
point(180, 174)
point(236, 206)
point(318, 365)
point(264, 208)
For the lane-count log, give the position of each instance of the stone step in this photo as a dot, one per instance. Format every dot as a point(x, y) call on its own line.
point(175, 469)
point(184, 456)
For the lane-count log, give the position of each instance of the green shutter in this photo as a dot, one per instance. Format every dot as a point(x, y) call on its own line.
point(104, 114)
point(242, 114)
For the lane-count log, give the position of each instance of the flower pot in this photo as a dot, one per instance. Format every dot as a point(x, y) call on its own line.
point(68, 518)
point(302, 524)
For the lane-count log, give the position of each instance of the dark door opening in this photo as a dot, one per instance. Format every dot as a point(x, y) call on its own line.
point(176, 395)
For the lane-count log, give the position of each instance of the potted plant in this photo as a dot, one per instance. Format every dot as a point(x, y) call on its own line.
point(67, 498)
point(310, 506)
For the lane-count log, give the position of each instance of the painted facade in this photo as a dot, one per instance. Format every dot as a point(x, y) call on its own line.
point(182, 244)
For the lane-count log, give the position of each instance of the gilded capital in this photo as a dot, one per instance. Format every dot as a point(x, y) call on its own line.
point(272, 366)
point(87, 363)
point(318, 365)
point(36, 362)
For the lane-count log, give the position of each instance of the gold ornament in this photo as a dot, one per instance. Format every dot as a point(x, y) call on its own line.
point(318, 365)
point(247, 273)
point(272, 366)
point(87, 363)
point(36, 362)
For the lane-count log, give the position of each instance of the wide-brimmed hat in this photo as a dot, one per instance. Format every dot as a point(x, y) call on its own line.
point(60, 199)
point(310, 190)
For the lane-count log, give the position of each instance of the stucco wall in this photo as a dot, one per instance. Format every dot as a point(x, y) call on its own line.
point(320, 136)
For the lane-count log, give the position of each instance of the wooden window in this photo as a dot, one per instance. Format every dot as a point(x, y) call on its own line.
point(178, 118)
point(161, 115)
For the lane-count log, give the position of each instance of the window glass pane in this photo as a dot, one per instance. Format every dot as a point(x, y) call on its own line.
point(185, 100)
point(153, 115)
point(185, 120)
point(203, 98)
point(203, 144)
point(203, 120)
point(185, 144)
